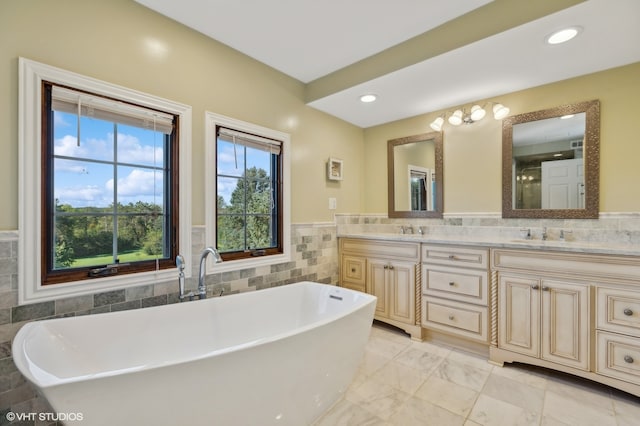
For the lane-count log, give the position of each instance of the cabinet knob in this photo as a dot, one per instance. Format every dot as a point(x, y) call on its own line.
point(452, 257)
point(535, 286)
point(451, 317)
point(628, 312)
point(390, 266)
point(545, 288)
point(628, 359)
point(451, 283)
point(353, 269)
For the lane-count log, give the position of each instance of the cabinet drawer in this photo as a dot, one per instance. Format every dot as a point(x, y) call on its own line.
point(456, 256)
point(462, 319)
point(380, 248)
point(619, 357)
point(618, 310)
point(466, 285)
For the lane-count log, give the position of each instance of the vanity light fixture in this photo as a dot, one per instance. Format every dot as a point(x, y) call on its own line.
point(476, 113)
point(563, 35)
point(368, 98)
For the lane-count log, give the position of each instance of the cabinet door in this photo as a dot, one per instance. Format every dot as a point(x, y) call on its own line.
point(377, 285)
point(565, 323)
point(519, 314)
point(402, 292)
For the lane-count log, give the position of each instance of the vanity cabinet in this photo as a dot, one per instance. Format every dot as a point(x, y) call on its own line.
point(455, 291)
point(574, 312)
point(544, 318)
point(387, 270)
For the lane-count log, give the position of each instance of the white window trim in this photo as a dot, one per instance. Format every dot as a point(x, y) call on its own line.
point(31, 75)
point(213, 120)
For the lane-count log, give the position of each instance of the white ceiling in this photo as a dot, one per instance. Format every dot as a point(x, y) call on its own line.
point(309, 39)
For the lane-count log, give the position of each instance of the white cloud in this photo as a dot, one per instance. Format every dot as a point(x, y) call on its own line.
point(82, 196)
point(131, 151)
point(138, 183)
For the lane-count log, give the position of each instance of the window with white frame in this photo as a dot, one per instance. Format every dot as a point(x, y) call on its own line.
point(247, 193)
point(104, 202)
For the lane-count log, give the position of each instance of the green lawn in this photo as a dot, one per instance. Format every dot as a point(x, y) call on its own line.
point(107, 259)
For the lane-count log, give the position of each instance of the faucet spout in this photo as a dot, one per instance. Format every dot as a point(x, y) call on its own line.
point(202, 285)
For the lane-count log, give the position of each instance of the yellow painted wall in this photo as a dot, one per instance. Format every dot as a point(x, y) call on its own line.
point(473, 154)
point(124, 43)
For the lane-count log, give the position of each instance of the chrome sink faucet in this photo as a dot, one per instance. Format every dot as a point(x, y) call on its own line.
point(202, 284)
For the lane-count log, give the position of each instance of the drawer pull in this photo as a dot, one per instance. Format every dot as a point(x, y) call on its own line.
point(452, 257)
point(545, 288)
point(451, 317)
point(628, 312)
point(535, 286)
point(628, 359)
point(451, 283)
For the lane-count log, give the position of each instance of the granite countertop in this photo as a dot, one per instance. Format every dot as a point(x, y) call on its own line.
point(513, 243)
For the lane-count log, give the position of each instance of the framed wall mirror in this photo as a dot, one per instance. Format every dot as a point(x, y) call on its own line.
point(414, 170)
point(551, 163)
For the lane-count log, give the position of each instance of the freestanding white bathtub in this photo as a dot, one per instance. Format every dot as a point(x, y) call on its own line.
point(279, 356)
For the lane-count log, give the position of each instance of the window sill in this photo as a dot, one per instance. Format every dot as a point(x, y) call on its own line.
point(254, 262)
point(38, 293)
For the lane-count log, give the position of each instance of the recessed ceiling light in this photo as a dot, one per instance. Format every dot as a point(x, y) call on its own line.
point(368, 98)
point(563, 35)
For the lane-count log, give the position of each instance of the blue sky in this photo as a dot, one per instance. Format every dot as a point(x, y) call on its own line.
point(85, 183)
point(82, 183)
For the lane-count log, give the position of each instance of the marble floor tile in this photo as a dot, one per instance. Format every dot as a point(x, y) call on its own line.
point(513, 392)
point(490, 411)
point(417, 412)
point(400, 376)
point(380, 399)
point(573, 411)
point(346, 413)
point(443, 393)
point(401, 382)
point(461, 373)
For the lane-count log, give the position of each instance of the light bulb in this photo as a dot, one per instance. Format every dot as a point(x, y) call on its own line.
point(456, 118)
point(500, 111)
point(437, 124)
point(477, 113)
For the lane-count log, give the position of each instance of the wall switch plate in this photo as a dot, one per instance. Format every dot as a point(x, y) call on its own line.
point(333, 203)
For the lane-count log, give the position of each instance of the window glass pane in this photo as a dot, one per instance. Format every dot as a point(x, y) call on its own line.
point(82, 240)
point(139, 185)
point(83, 184)
point(96, 137)
point(259, 232)
point(230, 195)
point(230, 233)
point(230, 158)
point(140, 237)
point(140, 146)
point(258, 192)
point(260, 160)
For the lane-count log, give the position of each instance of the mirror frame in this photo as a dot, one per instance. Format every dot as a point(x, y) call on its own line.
point(437, 213)
point(591, 162)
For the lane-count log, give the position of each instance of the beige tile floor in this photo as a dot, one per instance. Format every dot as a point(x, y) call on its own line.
point(404, 383)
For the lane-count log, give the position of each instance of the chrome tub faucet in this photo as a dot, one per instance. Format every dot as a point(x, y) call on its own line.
point(202, 284)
